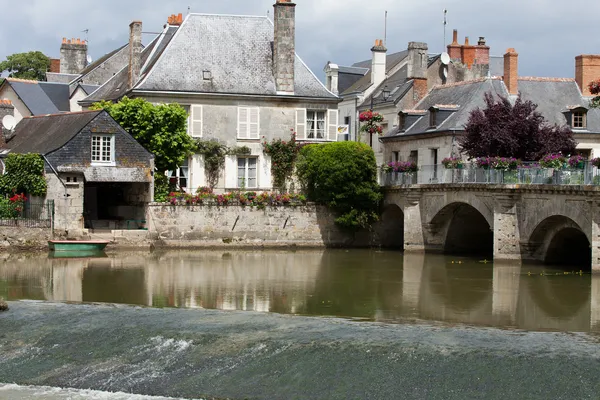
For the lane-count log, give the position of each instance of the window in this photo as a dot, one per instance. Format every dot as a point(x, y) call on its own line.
point(195, 121)
point(180, 177)
point(247, 172)
point(348, 122)
point(579, 120)
point(103, 149)
point(432, 118)
point(401, 121)
point(395, 156)
point(414, 156)
point(248, 123)
point(315, 125)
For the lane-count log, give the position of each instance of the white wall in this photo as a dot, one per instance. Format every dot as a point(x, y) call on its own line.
point(21, 111)
point(78, 95)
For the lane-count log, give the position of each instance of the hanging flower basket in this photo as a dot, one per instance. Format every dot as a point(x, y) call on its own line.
point(372, 121)
point(577, 162)
point(453, 163)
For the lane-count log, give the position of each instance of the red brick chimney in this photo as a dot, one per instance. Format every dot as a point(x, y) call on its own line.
point(482, 52)
point(468, 53)
point(587, 69)
point(454, 47)
point(175, 20)
point(511, 71)
point(55, 65)
point(284, 45)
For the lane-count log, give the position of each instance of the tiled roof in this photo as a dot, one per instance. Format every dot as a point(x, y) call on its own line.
point(237, 50)
point(47, 133)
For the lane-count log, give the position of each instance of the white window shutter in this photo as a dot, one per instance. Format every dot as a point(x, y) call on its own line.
point(196, 120)
point(254, 122)
point(231, 169)
point(301, 123)
point(197, 175)
point(242, 122)
point(332, 120)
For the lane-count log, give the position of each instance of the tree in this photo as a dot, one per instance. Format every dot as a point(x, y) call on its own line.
point(160, 129)
point(32, 65)
point(343, 176)
point(594, 87)
point(506, 130)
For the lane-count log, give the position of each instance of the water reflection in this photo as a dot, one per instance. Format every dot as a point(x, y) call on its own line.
point(383, 286)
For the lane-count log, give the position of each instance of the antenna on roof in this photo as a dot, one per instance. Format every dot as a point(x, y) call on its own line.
point(86, 31)
point(9, 122)
point(189, 10)
point(445, 23)
point(385, 30)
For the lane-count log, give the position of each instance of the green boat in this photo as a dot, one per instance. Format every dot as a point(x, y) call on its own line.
point(77, 245)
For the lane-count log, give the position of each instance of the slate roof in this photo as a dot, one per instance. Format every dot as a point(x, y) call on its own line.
point(101, 61)
point(348, 76)
point(365, 82)
point(41, 97)
point(552, 95)
point(45, 134)
point(237, 50)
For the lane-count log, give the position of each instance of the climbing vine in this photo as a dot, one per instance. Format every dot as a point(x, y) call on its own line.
point(283, 160)
point(214, 154)
point(24, 174)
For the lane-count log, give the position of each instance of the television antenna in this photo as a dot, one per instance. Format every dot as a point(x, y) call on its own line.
point(445, 24)
point(9, 122)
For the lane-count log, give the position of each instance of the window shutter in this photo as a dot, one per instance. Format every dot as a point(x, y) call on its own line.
point(332, 120)
point(196, 121)
point(301, 123)
point(254, 122)
point(197, 177)
point(243, 123)
point(231, 168)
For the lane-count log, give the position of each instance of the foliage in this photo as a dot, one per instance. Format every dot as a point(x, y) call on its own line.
point(32, 65)
point(162, 187)
point(283, 160)
point(205, 196)
point(372, 122)
point(595, 162)
point(453, 162)
point(214, 159)
point(343, 176)
point(594, 87)
point(24, 174)
point(556, 161)
point(12, 207)
point(577, 161)
point(239, 151)
point(506, 130)
point(400, 166)
point(160, 129)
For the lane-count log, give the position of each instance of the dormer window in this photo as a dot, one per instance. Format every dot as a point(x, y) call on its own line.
point(432, 118)
point(402, 121)
point(578, 119)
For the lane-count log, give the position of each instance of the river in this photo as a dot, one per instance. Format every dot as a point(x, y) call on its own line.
point(306, 324)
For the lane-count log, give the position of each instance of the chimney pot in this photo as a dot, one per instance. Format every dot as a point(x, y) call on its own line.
point(481, 41)
point(467, 41)
point(455, 37)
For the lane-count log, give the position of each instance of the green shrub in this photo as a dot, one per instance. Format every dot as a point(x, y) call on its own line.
point(343, 176)
point(24, 174)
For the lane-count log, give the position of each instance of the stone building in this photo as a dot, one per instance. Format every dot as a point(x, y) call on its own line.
point(389, 83)
point(241, 81)
point(98, 175)
point(431, 130)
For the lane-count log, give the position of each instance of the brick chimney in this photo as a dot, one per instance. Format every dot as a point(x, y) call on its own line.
point(587, 69)
point(482, 52)
point(135, 53)
point(511, 71)
point(378, 63)
point(467, 53)
point(175, 20)
point(54, 65)
point(454, 47)
point(284, 45)
point(417, 69)
point(73, 56)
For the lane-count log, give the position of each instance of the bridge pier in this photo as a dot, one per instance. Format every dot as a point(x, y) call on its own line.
point(414, 235)
point(595, 239)
point(507, 238)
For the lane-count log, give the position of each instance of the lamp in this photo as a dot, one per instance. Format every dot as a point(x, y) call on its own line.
point(386, 93)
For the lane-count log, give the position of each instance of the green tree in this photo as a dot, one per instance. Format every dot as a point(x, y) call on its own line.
point(24, 174)
point(343, 176)
point(161, 129)
point(32, 65)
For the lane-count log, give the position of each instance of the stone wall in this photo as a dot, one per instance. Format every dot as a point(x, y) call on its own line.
point(18, 238)
point(211, 226)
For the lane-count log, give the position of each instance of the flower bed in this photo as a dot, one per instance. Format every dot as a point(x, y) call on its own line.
point(205, 196)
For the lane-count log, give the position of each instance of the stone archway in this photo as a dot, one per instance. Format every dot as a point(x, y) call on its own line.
point(558, 240)
point(391, 227)
point(460, 228)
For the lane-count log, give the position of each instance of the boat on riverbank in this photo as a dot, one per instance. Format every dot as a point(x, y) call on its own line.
point(71, 246)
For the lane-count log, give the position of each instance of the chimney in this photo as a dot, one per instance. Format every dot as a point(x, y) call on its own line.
point(378, 64)
point(511, 71)
point(468, 53)
point(332, 76)
point(175, 20)
point(284, 45)
point(135, 53)
point(482, 52)
point(73, 56)
point(55, 65)
point(587, 69)
point(454, 48)
point(417, 69)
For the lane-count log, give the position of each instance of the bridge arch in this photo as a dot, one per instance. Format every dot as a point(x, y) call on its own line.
point(391, 227)
point(559, 240)
point(461, 228)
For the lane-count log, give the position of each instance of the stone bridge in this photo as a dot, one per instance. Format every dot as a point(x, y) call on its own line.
point(549, 223)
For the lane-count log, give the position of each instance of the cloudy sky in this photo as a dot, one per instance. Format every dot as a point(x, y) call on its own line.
point(547, 34)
